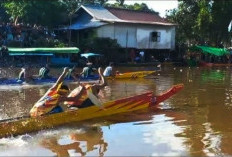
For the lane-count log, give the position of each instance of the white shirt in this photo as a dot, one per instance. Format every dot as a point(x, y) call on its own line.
point(107, 71)
point(141, 53)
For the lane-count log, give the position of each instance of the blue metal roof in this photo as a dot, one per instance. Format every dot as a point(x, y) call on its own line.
point(93, 16)
point(80, 25)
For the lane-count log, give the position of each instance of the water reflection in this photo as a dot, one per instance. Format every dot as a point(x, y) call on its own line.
point(158, 133)
point(83, 141)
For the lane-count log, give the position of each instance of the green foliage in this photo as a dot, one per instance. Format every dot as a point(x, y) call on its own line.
point(185, 16)
point(42, 12)
point(202, 21)
point(120, 2)
point(99, 44)
point(16, 9)
point(135, 6)
point(221, 16)
point(70, 6)
point(46, 42)
point(4, 16)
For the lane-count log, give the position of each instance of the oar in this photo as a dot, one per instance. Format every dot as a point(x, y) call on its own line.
point(94, 99)
point(15, 118)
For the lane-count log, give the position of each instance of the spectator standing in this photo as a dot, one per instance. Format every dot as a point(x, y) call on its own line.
point(141, 53)
point(132, 55)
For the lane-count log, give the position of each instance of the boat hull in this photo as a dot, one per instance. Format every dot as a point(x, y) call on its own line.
point(128, 75)
point(26, 125)
point(132, 75)
point(43, 81)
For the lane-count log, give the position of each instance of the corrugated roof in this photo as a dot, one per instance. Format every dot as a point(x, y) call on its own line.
point(124, 15)
point(99, 13)
point(138, 16)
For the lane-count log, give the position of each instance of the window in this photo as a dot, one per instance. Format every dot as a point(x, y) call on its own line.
point(155, 36)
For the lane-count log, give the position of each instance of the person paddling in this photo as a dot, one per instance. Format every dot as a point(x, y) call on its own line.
point(24, 75)
point(73, 74)
point(88, 70)
point(49, 103)
point(43, 72)
point(86, 95)
point(109, 70)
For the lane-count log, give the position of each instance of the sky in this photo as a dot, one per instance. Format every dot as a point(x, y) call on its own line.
point(157, 5)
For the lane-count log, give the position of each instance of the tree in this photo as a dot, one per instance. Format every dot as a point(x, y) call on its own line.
point(221, 17)
point(121, 2)
point(201, 21)
point(185, 17)
point(71, 8)
point(42, 12)
point(16, 9)
point(135, 6)
point(73, 5)
point(4, 16)
point(204, 20)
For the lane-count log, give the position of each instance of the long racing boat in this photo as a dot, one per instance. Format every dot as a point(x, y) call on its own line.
point(26, 124)
point(37, 81)
point(132, 75)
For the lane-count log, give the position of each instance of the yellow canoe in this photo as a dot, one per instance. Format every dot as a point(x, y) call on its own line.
point(17, 126)
point(132, 75)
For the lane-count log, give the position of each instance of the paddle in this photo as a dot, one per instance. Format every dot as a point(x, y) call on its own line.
point(15, 118)
point(94, 99)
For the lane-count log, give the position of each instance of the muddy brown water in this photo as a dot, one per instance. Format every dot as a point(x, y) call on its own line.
point(194, 122)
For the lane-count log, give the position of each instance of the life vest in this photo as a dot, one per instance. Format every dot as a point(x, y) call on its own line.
point(82, 98)
point(46, 104)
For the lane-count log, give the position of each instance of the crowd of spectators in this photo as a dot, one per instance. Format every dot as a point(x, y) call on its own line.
point(23, 35)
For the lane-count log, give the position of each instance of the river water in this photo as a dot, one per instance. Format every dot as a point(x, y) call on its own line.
point(195, 122)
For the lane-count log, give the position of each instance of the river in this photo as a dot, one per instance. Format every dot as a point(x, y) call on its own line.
point(194, 122)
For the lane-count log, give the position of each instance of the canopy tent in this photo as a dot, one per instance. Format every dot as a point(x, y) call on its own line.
point(41, 51)
point(211, 50)
point(31, 54)
point(86, 55)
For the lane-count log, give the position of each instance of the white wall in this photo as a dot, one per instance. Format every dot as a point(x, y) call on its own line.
point(138, 36)
point(167, 38)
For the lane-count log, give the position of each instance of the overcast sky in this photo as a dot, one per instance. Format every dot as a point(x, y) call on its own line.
point(157, 5)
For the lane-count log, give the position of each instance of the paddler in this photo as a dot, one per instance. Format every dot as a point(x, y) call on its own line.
point(43, 72)
point(73, 74)
point(86, 95)
point(88, 70)
point(109, 70)
point(49, 103)
point(24, 75)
